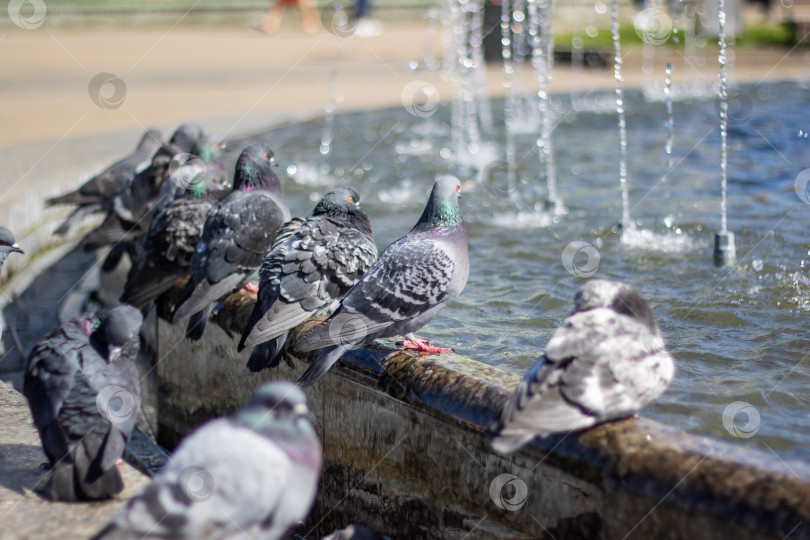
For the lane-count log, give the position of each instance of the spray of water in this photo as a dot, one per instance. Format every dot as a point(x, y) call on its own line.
point(508, 82)
point(617, 74)
point(542, 42)
point(722, 58)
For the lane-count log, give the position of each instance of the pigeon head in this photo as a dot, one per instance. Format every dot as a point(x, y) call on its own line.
point(185, 138)
point(620, 297)
point(343, 203)
point(254, 170)
point(116, 329)
point(207, 147)
point(442, 209)
point(8, 244)
point(216, 182)
point(277, 409)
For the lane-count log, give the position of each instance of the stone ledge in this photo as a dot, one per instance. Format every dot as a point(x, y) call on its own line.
point(405, 452)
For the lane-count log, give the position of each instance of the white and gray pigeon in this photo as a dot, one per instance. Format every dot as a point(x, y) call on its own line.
point(84, 393)
point(311, 265)
point(606, 362)
point(165, 252)
point(413, 280)
point(94, 194)
point(250, 475)
point(237, 233)
point(8, 245)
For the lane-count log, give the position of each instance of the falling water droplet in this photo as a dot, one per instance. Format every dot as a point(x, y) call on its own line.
point(757, 265)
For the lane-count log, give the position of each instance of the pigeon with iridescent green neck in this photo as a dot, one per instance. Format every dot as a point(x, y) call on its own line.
point(83, 390)
point(237, 233)
point(413, 280)
point(164, 255)
point(312, 264)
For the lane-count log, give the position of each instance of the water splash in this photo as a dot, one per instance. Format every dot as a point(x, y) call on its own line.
point(509, 100)
point(479, 68)
point(670, 123)
point(724, 248)
point(723, 91)
point(329, 109)
point(617, 74)
point(542, 42)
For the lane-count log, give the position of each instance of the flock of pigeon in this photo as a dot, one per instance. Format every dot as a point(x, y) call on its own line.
point(174, 210)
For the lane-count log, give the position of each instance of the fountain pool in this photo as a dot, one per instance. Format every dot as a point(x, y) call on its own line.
point(739, 333)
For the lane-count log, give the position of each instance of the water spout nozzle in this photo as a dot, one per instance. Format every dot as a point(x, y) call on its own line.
point(725, 253)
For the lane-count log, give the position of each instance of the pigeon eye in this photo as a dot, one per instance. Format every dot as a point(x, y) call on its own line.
point(351, 199)
point(216, 181)
point(265, 156)
point(458, 187)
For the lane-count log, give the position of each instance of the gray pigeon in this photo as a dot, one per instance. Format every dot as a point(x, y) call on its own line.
point(237, 233)
point(607, 361)
point(312, 264)
point(84, 394)
point(130, 210)
point(251, 475)
point(7, 246)
point(95, 193)
point(414, 279)
point(164, 255)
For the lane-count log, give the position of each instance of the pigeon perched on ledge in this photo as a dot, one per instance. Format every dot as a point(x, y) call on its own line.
point(413, 280)
point(606, 362)
point(94, 194)
point(251, 475)
point(237, 233)
point(84, 393)
point(312, 264)
point(165, 253)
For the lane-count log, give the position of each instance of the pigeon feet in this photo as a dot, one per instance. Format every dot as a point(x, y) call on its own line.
point(251, 288)
point(422, 345)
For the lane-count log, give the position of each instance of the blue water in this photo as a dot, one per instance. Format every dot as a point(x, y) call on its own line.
point(739, 334)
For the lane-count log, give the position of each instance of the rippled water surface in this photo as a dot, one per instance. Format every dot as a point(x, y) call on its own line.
point(739, 334)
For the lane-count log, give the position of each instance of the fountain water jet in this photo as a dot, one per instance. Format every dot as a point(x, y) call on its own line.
point(542, 42)
point(617, 74)
point(724, 249)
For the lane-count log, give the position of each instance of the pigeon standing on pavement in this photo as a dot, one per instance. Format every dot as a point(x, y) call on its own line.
point(99, 190)
point(84, 393)
point(237, 233)
point(607, 361)
point(164, 255)
point(413, 280)
point(8, 245)
point(312, 264)
point(253, 475)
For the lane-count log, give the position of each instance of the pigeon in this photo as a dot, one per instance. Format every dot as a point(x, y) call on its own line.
point(355, 532)
point(413, 280)
point(7, 246)
point(129, 212)
point(94, 194)
point(312, 264)
point(84, 393)
point(164, 255)
point(237, 233)
point(607, 361)
point(250, 475)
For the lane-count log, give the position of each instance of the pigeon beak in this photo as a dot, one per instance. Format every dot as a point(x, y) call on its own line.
point(301, 409)
point(16, 247)
point(114, 353)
